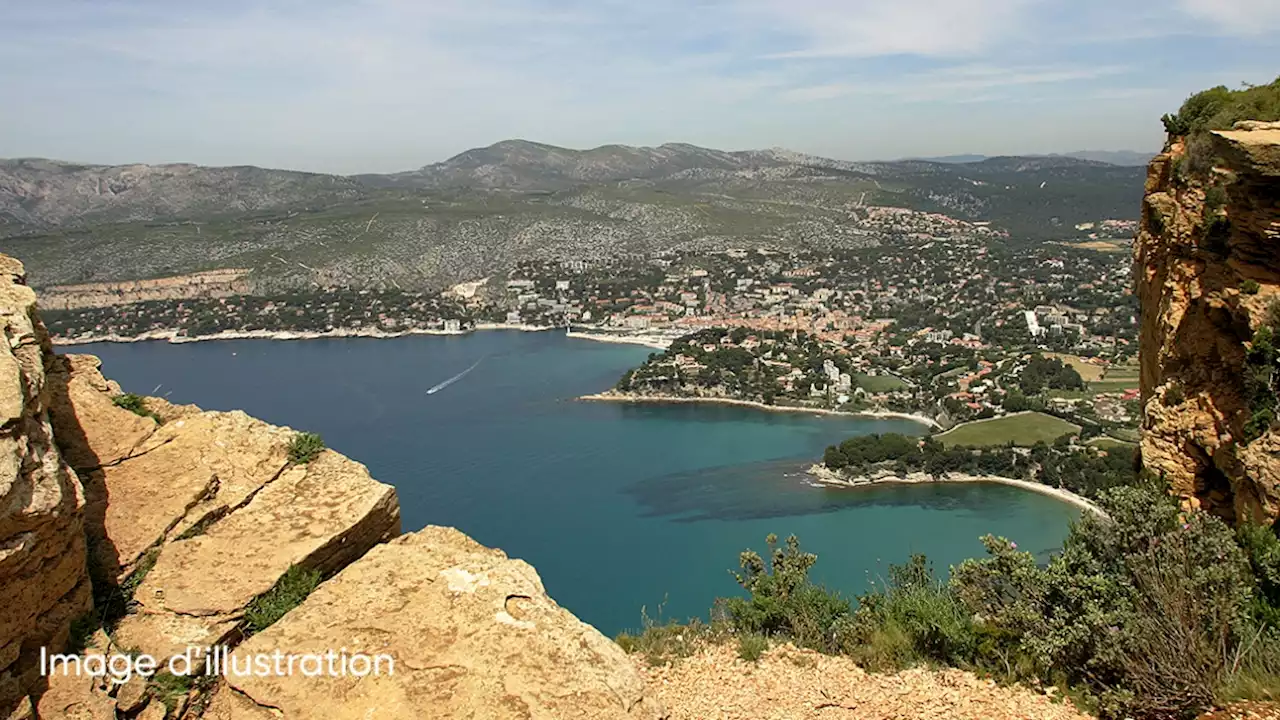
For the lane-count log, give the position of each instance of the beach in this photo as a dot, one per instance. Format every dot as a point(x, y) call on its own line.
point(825, 476)
point(654, 341)
point(610, 396)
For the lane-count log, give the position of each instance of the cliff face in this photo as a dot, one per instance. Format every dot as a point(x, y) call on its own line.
point(44, 585)
point(1207, 270)
point(188, 525)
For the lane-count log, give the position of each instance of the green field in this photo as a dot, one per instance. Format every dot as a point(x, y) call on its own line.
point(1088, 372)
point(1023, 430)
point(1110, 443)
point(878, 383)
point(1113, 385)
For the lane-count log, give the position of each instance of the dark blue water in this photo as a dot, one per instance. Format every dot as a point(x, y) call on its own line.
point(617, 506)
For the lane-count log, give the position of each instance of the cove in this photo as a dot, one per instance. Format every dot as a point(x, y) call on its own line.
point(618, 506)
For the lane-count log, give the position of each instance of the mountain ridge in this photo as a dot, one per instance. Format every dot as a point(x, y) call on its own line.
point(486, 208)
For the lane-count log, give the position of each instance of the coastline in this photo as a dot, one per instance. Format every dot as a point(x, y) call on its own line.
point(610, 396)
point(172, 336)
point(824, 476)
point(653, 341)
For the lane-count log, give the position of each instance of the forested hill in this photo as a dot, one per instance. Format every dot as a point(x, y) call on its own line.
point(488, 208)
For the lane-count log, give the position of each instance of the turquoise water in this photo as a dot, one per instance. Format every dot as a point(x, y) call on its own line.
point(618, 506)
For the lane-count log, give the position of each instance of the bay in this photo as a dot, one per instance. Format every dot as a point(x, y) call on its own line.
point(619, 507)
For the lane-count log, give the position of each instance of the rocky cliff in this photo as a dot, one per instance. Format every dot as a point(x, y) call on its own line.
point(1207, 267)
point(44, 584)
point(159, 528)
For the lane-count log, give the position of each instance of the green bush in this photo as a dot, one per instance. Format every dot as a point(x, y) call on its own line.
point(288, 593)
point(1219, 108)
point(1250, 287)
point(661, 642)
point(914, 618)
point(134, 404)
point(305, 447)
point(1215, 198)
point(1146, 608)
point(1261, 363)
point(783, 602)
point(751, 647)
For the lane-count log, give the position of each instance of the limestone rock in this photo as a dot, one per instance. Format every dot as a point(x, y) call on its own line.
point(91, 430)
point(70, 697)
point(43, 580)
point(472, 634)
point(1192, 261)
point(321, 515)
point(191, 469)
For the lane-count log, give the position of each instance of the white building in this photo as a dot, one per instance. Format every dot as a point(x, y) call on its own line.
point(1033, 325)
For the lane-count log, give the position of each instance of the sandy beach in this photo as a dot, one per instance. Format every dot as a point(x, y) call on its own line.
point(825, 476)
point(610, 396)
point(654, 341)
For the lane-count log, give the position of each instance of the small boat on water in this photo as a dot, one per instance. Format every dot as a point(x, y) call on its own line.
point(442, 385)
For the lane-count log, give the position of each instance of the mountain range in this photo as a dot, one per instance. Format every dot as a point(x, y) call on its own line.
point(1112, 157)
point(489, 207)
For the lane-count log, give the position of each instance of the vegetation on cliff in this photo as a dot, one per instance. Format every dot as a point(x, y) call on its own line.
point(305, 447)
point(1149, 612)
point(1219, 108)
point(1262, 363)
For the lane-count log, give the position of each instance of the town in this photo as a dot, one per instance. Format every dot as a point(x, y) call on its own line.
point(941, 320)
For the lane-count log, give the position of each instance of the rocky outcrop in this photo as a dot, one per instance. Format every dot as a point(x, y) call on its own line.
point(209, 284)
point(1207, 271)
point(192, 525)
point(44, 585)
point(471, 632)
point(321, 516)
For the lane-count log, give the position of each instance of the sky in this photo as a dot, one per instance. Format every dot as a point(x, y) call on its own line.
point(384, 85)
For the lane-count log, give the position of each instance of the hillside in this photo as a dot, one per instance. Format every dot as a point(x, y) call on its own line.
point(488, 208)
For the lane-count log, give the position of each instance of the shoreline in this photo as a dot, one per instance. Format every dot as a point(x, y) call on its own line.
point(172, 336)
point(823, 476)
point(652, 341)
point(609, 396)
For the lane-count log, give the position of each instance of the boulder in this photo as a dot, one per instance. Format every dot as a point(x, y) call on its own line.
point(471, 633)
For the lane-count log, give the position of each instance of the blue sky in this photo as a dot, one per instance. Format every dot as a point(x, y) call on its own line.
point(381, 85)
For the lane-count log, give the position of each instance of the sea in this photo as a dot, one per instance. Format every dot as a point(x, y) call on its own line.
point(627, 511)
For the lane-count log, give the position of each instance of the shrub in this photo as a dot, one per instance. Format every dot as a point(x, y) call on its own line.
point(305, 447)
point(1250, 287)
point(1173, 396)
point(752, 646)
point(288, 593)
point(915, 618)
point(783, 603)
point(1215, 198)
point(1260, 366)
point(660, 642)
point(1217, 235)
point(1145, 607)
point(134, 404)
point(1219, 108)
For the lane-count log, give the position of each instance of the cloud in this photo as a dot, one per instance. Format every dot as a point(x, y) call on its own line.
point(869, 28)
point(964, 83)
point(356, 85)
point(1237, 17)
